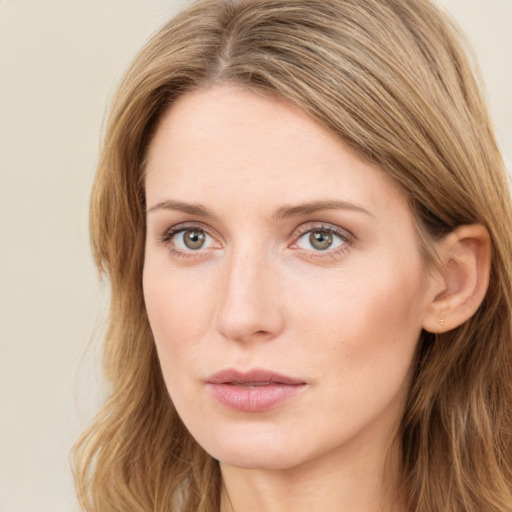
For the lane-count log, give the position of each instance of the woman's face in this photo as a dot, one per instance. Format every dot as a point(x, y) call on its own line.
point(282, 280)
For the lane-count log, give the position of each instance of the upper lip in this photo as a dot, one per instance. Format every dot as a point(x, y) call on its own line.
point(232, 376)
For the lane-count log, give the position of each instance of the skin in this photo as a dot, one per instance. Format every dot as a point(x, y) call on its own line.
point(344, 320)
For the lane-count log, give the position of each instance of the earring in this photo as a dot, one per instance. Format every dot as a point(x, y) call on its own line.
point(441, 322)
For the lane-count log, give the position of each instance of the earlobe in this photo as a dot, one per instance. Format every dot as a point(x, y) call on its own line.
point(460, 284)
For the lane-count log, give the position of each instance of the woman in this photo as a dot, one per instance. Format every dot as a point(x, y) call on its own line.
point(305, 220)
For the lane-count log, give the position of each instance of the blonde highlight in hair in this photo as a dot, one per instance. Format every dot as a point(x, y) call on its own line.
point(390, 78)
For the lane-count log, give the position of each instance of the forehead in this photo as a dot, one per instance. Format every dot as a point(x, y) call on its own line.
point(228, 143)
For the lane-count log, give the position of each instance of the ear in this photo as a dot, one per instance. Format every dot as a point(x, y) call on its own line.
point(459, 286)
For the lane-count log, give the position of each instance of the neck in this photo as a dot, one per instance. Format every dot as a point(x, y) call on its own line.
point(366, 481)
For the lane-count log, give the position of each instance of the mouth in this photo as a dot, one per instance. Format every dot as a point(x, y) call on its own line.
point(251, 384)
point(253, 391)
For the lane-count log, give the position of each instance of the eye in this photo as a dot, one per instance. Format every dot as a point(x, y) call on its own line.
point(188, 239)
point(192, 239)
point(321, 239)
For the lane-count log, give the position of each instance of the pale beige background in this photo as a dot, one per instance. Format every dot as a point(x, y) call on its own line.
point(59, 62)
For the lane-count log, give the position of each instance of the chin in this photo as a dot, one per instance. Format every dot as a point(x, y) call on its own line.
point(259, 458)
point(266, 451)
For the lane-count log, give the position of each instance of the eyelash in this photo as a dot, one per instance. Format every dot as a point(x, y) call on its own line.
point(167, 237)
point(346, 237)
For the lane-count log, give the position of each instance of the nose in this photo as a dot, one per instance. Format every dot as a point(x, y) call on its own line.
point(249, 305)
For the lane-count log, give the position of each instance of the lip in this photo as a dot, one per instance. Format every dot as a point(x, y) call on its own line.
point(253, 391)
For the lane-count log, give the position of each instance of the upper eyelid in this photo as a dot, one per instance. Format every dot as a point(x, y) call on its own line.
point(184, 226)
point(323, 226)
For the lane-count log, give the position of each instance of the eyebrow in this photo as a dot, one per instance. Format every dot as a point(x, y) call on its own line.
point(192, 209)
point(281, 213)
point(315, 206)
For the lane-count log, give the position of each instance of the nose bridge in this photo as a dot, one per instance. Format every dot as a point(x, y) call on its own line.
point(248, 305)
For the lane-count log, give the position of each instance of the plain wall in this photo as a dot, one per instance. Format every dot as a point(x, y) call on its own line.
point(59, 63)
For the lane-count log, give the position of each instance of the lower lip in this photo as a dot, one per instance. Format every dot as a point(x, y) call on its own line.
point(254, 399)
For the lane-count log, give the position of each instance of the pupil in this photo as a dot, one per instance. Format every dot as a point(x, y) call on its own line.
point(320, 240)
point(194, 239)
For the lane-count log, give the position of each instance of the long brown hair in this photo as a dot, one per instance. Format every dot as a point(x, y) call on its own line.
point(391, 79)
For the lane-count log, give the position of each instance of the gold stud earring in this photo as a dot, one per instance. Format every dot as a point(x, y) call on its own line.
point(441, 322)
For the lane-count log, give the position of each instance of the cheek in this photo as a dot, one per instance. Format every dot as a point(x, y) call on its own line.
point(179, 312)
point(369, 321)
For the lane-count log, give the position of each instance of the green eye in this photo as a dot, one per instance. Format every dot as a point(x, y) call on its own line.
point(194, 239)
point(320, 239)
point(191, 239)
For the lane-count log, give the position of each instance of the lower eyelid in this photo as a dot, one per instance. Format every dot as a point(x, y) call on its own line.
point(329, 254)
